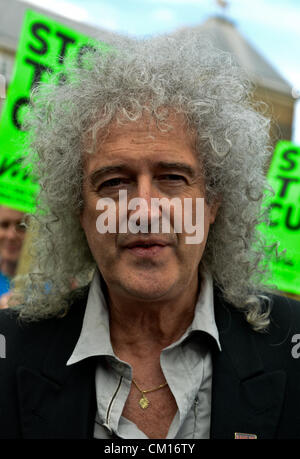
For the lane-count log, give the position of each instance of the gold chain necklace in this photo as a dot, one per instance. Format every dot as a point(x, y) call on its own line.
point(144, 402)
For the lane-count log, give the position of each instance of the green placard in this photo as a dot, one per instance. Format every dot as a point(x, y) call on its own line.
point(44, 48)
point(284, 177)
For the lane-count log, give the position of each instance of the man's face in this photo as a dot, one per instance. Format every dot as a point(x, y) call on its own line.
point(11, 234)
point(147, 163)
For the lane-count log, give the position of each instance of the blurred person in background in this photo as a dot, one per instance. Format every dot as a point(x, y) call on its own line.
point(12, 234)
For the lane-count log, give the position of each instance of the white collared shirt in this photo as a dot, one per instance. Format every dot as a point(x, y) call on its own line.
point(186, 364)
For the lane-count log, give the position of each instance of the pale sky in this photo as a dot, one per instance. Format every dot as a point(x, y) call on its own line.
point(272, 26)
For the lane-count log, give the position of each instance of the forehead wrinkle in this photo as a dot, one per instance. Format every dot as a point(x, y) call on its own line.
point(145, 129)
point(140, 145)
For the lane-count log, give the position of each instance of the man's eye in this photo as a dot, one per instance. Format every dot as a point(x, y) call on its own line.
point(115, 182)
point(173, 178)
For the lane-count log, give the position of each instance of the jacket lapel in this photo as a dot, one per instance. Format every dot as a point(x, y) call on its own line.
point(245, 398)
point(59, 401)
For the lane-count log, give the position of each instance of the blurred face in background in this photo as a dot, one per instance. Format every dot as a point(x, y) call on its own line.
point(12, 234)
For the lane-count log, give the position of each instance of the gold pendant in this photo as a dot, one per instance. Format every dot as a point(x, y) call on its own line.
point(144, 402)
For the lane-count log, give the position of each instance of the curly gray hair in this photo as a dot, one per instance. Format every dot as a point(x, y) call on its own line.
point(186, 74)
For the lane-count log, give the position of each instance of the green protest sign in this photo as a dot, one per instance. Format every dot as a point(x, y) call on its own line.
point(44, 47)
point(284, 178)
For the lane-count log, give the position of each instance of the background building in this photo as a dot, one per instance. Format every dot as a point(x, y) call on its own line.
point(270, 86)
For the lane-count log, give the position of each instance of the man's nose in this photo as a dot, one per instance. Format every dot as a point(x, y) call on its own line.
point(145, 191)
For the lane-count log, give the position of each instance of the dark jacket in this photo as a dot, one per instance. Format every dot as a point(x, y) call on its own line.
point(256, 377)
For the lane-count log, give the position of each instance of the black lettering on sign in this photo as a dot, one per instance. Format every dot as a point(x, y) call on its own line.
point(292, 163)
point(21, 102)
point(6, 166)
point(36, 29)
point(278, 206)
point(286, 182)
point(15, 169)
point(291, 209)
point(65, 42)
point(82, 51)
point(39, 69)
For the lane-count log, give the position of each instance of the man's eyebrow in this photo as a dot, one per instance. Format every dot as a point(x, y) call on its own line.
point(106, 170)
point(166, 165)
point(192, 172)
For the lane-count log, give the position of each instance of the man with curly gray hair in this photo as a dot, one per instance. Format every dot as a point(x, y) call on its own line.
point(163, 338)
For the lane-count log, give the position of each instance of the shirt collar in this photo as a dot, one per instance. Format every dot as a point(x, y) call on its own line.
point(204, 318)
point(94, 339)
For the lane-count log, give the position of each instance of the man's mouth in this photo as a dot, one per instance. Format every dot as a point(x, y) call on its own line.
point(147, 248)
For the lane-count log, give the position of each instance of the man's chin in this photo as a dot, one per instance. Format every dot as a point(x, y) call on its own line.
point(148, 291)
point(142, 283)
